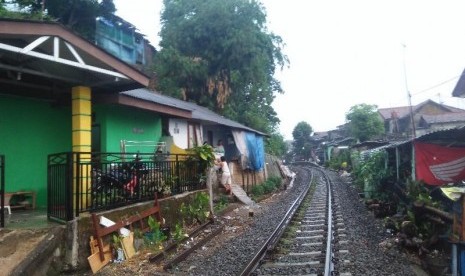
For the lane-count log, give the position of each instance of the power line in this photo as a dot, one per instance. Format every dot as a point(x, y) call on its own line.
point(436, 85)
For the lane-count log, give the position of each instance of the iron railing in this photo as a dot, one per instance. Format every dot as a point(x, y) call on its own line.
point(2, 190)
point(82, 182)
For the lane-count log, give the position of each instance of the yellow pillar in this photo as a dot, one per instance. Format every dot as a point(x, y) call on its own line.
point(81, 133)
point(82, 118)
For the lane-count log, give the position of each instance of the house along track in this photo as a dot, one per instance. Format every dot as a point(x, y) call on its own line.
point(310, 240)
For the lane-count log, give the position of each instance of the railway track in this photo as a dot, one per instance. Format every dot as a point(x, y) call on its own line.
point(311, 238)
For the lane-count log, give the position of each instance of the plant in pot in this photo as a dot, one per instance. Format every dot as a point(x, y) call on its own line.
point(155, 236)
point(118, 253)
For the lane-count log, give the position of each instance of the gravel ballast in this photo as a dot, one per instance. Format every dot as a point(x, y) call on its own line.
point(372, 249)
point(371, 252)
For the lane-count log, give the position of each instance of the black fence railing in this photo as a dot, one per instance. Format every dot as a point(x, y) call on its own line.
point(2, 191)
point(81, 182)
point(59, 186)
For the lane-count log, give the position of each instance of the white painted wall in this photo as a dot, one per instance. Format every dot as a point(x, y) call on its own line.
point(178, 129)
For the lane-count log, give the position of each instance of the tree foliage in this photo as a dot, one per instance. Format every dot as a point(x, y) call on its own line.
point(364, 122)
point(275, 145)
point(219, 54)
point(302, 140)
point(78, 15)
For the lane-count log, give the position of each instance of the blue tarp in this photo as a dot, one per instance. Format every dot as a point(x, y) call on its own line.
point(256, 151)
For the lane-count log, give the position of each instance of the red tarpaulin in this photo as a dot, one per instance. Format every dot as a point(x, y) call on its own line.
point(437, 165)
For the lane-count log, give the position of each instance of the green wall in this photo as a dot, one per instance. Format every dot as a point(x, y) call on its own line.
point(29, 131)
point(124, 123)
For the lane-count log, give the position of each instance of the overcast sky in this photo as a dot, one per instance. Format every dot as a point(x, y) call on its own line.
point(344, 53)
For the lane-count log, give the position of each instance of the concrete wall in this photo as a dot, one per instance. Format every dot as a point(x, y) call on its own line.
point(169, 206)
point(178, 130)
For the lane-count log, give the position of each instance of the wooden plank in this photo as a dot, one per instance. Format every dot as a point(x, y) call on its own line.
point(94, 260)
point(100, 232)
point(93, 245)
point(128, 246)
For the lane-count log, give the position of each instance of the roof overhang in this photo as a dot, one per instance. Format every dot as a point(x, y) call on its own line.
point(459, 89)
point(125, 100)
point(48, 58)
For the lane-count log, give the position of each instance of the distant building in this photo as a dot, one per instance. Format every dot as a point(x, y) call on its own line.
point(427, 116)
point(122, 39)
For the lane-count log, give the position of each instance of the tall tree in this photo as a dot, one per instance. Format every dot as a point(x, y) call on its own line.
point(276, 145)
point(302, 143)
point(219, 54)
point(364, 122)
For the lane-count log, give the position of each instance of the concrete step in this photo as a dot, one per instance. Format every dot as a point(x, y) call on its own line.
point(241, 195)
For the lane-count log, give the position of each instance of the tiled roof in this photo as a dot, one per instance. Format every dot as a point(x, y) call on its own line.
point(403, 111)
point(445, 118)
point(320, 133)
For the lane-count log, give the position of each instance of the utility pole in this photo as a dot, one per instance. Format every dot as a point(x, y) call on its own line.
point(414, 134)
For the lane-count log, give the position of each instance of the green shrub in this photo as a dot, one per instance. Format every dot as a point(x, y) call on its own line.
point(268, 187)
point(197, 211)
point(276, 181)
point(222, 203)
point(257, 190)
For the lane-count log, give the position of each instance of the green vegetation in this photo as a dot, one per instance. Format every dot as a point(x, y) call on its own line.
point(116, 241)
point(79, 15)
point(364, 122)
point(269, 186)
point(275, 145)
point(340, 160)
point(222, 203)
point(178, 235)
point(197, 211)
point(155, 236)
point(204, 153)
point(222, 65)
point(302, 141)
point(370, 173)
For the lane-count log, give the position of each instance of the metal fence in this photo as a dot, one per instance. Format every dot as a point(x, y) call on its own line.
point(2, 190)
point(82, 182)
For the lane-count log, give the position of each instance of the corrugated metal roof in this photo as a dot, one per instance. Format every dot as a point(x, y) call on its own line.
point(370, 144)
point(446, 137)
point(198, 112)
point(147, 95)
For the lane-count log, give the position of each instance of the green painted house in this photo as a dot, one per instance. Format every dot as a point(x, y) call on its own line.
point(49, 80)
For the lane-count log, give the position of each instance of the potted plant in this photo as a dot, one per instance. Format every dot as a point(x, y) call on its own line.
point(155, 236)
point(118, 253)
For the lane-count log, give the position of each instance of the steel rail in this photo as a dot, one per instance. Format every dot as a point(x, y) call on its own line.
point(329, 265)
point(276, 235)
